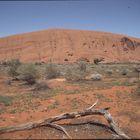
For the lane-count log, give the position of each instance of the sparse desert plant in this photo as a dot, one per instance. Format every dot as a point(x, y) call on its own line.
point(2, 70)
point(52, 71)
point(98, 60)
point(39, 63)
point(124, 72)
point(109, 71)
point(10, 62)
point(14, 62)
point(138, 88)
point(138, 71)
point(41, 86)
point(69, 74)
point(74, 75)
point(137, 91)
point(28, 73)
point(3, 62)
point(82, 66)
point(13, 66)
point(6, 100)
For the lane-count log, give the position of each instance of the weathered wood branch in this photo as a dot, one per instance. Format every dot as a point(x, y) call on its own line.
point(59, 128)
point(71, 115)
point(92, 105)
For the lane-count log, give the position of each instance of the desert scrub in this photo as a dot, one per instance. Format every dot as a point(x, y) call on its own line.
point(98, 60)
point(51, 71)
point(28, 73)
point(41, 86)
point(6, 100)
point(137, 91)
point(109, 71)
point(71, 91)
point(99, 96)
point(124, 72)
point(13, 66)
point(75, 103)
point(53, 105)
point(82, 66)
point(69, 74)
point(74, 75)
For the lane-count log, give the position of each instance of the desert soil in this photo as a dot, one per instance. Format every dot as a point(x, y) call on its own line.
point(28, 106)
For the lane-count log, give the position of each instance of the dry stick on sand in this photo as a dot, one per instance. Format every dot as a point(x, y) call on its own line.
point(71, 115)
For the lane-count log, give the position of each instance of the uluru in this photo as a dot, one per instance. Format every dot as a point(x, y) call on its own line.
point(69, 46)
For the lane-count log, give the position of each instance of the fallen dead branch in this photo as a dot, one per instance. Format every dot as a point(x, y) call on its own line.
point(50, 121)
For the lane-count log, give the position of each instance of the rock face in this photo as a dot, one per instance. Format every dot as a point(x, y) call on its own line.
point(68, 46)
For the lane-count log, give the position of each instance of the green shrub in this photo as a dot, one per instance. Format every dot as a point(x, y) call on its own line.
point(28, 73)
point(51, 71)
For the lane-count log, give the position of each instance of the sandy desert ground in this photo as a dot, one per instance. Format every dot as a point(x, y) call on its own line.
point(72, 55)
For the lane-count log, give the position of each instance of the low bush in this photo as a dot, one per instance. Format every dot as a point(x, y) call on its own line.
point(51, 71)
point(69, 74)
point(41, 86)
point(109, 71)
point(13, 66)
point(82, 66)
point(124, 72)
point(75, 75)
point(28, 73)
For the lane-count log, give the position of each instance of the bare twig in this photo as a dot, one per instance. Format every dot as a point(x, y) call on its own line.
point(93, 105)
point(60, 128)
